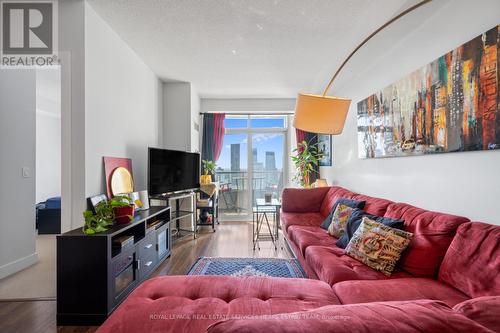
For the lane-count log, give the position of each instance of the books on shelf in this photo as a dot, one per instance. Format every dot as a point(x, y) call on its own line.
point(122, 241)
point(152, 226)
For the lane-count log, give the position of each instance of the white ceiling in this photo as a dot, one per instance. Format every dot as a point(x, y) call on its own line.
point(246, 48)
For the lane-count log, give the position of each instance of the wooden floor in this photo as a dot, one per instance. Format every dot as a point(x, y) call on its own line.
point(232, 239)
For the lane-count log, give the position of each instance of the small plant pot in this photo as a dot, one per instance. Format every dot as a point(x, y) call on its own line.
point(122, 214)
point(205, 179)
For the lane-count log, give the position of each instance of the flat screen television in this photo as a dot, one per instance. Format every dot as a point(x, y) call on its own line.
point(172, 171)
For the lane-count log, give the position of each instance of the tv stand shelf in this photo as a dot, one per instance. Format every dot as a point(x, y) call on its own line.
point(183, 208)
point(178, 215)
point(94, 277)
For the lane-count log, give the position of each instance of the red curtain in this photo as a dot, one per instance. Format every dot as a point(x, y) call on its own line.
point(218, 134)
point(301, 135)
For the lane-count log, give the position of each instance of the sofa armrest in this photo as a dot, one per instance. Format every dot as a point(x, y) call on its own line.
point(301, 200)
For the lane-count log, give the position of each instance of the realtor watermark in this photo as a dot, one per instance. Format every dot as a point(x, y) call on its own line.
point(28, 33)
point(215, 316)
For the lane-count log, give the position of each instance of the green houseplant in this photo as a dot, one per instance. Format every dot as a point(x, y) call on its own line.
point(209, 170)
point(105, 214)
point(306, 158)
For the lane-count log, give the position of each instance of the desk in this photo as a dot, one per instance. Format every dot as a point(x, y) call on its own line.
point(260, 214)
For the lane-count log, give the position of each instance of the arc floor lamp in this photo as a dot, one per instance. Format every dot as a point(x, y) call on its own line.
point(326, 114)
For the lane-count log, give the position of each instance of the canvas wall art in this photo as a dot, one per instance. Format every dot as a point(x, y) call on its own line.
point(449, 105)
point(325, 146)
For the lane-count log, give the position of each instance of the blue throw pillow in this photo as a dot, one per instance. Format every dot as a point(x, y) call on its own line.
point(344, 201)
point(355, 220)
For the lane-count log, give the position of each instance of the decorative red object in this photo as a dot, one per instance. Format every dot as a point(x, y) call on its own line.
point(122, 214)
point(110, 164)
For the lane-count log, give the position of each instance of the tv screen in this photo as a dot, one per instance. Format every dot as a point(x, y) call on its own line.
point(172, 171)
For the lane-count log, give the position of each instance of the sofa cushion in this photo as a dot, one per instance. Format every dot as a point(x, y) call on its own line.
point(432, 234)
point(331, 265)
point(342, 201)
point(402, 289)
point(300, 257)
point(332, 196)
point(339, 220)
point(484, 310)
point(375, 206)
point(53, 203)
point(355, 220)
point(204, 299)
point(403, 317)
point(303, 200)
point(304, 237)
point(377, 245)
point(303, 219)
point(472, 263)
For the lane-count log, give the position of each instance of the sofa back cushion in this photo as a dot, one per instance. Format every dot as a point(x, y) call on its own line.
point(374, 206)
point(472, 263)
point(301, 200)
point(432, 235)
point(334, 194)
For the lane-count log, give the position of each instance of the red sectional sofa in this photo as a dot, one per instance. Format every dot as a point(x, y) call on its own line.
point(448, 280)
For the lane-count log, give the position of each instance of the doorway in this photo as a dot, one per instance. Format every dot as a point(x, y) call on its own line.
point(252, 163)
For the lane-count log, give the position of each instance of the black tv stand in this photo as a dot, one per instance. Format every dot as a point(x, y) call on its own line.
point(94, 277)
point(179, 211)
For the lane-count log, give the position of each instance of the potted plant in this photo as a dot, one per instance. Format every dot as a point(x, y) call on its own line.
point(306, 158)
point(209, 170)
point(123, 209)
point(117, 209)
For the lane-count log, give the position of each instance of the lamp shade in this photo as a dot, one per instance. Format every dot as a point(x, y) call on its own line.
point(321, 114)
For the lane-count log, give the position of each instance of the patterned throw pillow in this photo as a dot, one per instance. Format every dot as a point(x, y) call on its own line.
point(345, 201)
point(339, 219)
point(378, 246)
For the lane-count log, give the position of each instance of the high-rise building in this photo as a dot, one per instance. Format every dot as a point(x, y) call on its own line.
point(270, 160)
point(235, 157)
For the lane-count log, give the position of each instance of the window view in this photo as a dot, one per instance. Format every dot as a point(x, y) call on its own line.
point(253, 149)
point(232, 176)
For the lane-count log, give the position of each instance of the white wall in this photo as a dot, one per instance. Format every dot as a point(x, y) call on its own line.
point(177, 115)
point(72, 54)
point(466, 183)
point(48, 134)
point(17, 151)
point(195, 120)
point(181, 108)
point(122, 105)
point(247, 104)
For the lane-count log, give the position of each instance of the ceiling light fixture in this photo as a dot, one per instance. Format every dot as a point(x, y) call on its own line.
point(326, 114)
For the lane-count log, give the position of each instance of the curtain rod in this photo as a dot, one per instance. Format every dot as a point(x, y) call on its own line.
point(257, 113)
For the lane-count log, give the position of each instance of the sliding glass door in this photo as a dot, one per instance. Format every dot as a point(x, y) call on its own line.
point(232, 175)
point(267, 164)
point(252, 163)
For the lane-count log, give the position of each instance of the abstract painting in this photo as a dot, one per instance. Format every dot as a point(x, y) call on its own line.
point(449, 105)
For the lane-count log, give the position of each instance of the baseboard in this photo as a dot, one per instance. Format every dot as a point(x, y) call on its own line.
point(18, 265)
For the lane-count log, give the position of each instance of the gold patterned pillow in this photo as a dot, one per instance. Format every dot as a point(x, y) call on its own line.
point(339, 220)
point(377, 245)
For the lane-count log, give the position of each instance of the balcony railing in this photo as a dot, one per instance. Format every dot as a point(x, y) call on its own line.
point(234, 188)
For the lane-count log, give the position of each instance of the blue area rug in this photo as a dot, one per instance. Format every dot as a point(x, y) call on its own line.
point(288, 268)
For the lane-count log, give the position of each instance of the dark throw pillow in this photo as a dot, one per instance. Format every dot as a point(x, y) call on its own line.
point(355, 220)
point(348, 202)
